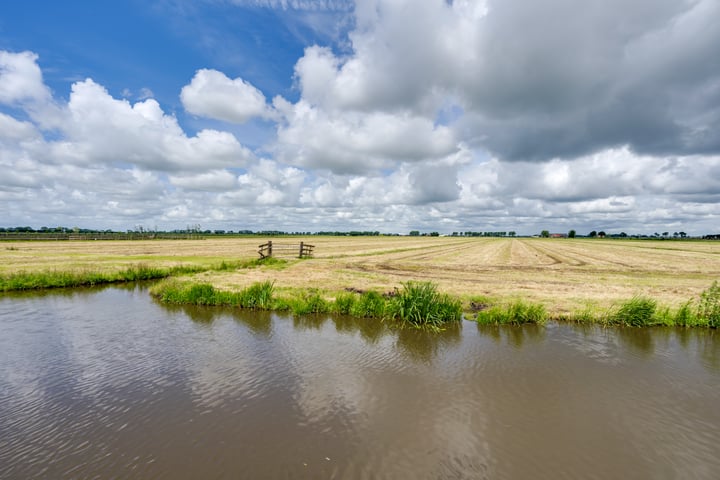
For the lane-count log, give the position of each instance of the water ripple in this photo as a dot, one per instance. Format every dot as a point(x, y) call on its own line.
point(106, 383)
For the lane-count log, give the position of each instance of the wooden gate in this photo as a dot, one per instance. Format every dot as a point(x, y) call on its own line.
point(270, 249)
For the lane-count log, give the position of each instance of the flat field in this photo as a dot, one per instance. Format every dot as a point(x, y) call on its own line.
point(563, 274)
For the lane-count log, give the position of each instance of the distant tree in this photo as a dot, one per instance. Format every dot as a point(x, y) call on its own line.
point(545, 234)
point(434, 234)
point(601, 234)
point(623, 234)
point(593, 234)
point(414, 233)
point(665, 234)
point(682, 234)
point(571, 234)
point(511, 233)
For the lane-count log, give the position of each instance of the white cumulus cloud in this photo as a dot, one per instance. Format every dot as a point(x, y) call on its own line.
point(212, 94)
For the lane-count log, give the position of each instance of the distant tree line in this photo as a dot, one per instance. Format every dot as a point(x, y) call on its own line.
point(193, 231)
point(484, 234)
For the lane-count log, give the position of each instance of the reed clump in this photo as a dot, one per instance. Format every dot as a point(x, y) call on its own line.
point(636, 312)
point(258, 296)
point(420, 304)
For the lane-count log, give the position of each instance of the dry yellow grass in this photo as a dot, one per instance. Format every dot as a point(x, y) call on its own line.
point(564, 274)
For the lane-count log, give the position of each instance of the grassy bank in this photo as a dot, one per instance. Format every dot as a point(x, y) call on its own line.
point(416, 303)
point(571, 279)
point(33, 280)
point(420, 304)
point(644, 311)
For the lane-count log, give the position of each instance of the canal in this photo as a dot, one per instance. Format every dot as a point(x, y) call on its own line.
point(107, 383)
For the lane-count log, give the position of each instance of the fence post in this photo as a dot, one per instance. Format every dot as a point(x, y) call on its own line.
point(301, 250)
point(269, 248)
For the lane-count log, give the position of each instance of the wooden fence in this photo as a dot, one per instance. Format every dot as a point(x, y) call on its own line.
point(269, 249)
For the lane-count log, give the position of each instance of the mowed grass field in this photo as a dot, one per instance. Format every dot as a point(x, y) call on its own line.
point(565, 275)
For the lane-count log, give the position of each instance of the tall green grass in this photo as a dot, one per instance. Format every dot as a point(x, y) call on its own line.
point(645, 312)
point(60, 279)
point(420, 304)
point(709, 307)
point(258, 296)
point(516, 313)
point(310, 302)
point(636, 312)
point(369, 305)
point(344, 303)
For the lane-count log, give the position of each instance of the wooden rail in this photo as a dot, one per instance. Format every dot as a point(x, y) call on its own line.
point(303, 250)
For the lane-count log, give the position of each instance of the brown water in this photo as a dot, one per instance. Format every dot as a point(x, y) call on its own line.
point(109, 384)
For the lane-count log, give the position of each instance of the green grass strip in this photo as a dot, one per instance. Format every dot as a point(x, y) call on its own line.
point(516, 313)
point(419, 304)
point(133, 273)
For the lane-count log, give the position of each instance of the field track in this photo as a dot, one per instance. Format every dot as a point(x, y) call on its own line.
point(564, 274)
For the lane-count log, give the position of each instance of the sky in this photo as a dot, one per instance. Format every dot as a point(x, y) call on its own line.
point(371, 115)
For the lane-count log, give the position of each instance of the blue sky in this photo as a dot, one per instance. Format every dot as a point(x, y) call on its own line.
point(135, 45)
point(389, 115)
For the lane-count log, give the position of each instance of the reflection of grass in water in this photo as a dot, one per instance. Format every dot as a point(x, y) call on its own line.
point(309, 321)
point(258, 321)
point(638, 339)
point(515, 335)
point(370, 329)
point(425, 344)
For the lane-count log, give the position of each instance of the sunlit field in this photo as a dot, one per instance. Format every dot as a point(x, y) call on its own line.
point(563, 274)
